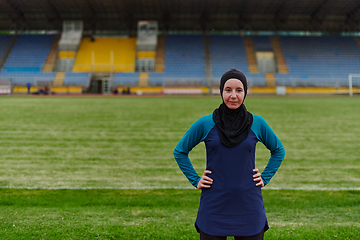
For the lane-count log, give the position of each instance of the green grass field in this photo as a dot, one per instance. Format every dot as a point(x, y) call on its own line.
point(120, 150)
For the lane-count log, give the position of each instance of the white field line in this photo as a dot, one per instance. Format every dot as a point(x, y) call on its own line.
point(154, 188)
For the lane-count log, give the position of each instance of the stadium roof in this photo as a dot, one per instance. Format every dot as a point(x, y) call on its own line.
point(184, 15)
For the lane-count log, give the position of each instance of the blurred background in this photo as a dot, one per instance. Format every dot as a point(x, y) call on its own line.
point(178, 47)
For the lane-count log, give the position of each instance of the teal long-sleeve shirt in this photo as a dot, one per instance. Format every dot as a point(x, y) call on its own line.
point(199, 131)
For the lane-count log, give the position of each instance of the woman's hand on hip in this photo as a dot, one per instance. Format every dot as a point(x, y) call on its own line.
point(257, 178)
point(205, 181)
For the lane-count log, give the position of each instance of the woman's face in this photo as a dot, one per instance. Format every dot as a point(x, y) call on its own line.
point(233, 93)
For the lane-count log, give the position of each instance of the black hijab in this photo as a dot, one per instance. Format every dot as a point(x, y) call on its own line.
point(233, 124)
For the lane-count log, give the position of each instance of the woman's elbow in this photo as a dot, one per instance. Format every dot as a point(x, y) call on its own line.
point(279, 153)
point(178, 153)
point(282, 151)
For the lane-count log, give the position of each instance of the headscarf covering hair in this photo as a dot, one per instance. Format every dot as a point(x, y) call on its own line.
point(233, 73)
point(233, 124)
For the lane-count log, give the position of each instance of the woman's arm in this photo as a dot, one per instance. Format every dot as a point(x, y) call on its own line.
point(267, 136)
point(196, 134)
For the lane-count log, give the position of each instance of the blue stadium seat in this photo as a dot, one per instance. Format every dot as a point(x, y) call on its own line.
point(22, 78)
point(184, 57)
point(227, 51)
point(320, 61)
point(125, 78)
point(76, 79)
point(26, 60)
point(262, 43)
point(29, 53)
point(156, 78)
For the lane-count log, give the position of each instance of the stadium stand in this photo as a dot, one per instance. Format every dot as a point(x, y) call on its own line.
point(143, 79)
point(160, 54)
point(22, 78)
point(76, 79)
point(280, 59)
point(125, 79)
point(250, 54)
point(156, 78)
point(59, 79)
point(326, 64)
point(29, 53)
point(319, 61)
point(228, 51)
point(262, 43)
point(51, 58)
point(123, 50)
point(26, 60)
point(184, 60)
point(191, 51)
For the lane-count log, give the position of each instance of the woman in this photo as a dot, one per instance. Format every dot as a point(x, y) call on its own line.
point(231, 202)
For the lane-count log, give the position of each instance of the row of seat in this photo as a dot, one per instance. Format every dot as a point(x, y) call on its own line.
point(227, 52)
point(29, 53)
point(77, 79)
point(184, 56)
point(321, 57)
point(307, 58)
point(24, 78)
point(160, 79)
point(104, 52)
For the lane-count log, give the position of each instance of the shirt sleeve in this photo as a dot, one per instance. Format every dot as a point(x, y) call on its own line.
point(196, 134)
point(267, 136)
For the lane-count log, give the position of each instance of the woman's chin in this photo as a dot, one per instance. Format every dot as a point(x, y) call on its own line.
point(233, 106)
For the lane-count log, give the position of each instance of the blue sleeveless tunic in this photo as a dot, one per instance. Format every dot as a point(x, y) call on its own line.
point(233, 205)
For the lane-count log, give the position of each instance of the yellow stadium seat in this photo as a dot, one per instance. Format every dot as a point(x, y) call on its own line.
point(66, 54)
point(106, 55)
point(142, 54)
